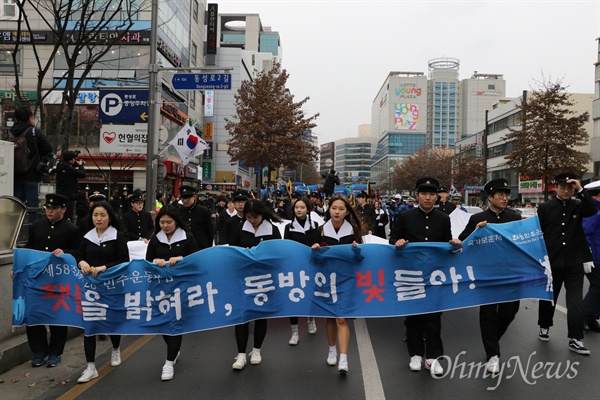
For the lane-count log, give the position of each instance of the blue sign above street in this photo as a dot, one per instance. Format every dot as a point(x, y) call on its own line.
point(123, 106)
point(201, 81)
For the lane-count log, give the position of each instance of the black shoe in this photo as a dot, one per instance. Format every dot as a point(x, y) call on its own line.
point(578, 347)
point(38, 359)
point(53, 360)
point(593, 325)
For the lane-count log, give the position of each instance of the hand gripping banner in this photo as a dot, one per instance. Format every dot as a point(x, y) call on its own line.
point(223, 286)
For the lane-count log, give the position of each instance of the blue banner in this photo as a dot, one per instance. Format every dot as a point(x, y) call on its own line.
point(223, 286)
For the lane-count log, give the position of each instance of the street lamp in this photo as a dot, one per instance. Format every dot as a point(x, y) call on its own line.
point(391, 171)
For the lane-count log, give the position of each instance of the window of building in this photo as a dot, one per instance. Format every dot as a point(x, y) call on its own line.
point(6, 61)
point(194, 53)
point(195, 10)
point(491, 87)
point(192, 99)
point(8, 9)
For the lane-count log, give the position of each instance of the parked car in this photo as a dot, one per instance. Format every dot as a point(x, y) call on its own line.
point(525, 212)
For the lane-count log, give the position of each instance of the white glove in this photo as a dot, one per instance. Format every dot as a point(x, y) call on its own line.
point(587, 267)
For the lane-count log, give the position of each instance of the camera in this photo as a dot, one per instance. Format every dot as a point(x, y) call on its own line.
point(46, 164)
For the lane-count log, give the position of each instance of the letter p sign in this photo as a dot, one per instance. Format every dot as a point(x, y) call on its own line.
point(111, 104)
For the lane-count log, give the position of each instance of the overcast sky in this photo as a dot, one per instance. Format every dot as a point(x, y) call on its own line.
point(339, 53)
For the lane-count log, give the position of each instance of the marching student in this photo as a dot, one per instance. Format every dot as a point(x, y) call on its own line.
point(233, 221)
point(424, 223)
point(344, 226)
point(381, 220)
point(170, 243)
point(257, 226)
point(137, 222)
point(494, 319)
point(103, 247)
point(303, 230)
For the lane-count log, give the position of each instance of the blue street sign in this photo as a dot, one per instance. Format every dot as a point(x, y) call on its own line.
point(123, 106)
point(201, 81)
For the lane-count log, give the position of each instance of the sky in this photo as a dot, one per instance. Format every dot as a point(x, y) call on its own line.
point(339, 53)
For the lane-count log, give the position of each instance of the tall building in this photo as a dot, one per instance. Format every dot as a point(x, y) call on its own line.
point(353, 157)
point(442, 105)
point(249, 48)
point(595, 137)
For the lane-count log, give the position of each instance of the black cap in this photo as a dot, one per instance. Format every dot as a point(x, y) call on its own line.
point(187, 191)
point(97, 196)
point(315, 194)
point(564, 177)
point(427, 184)
point(497, 185)
point(442, 190)
point(56, 200)
point(456, 196)
point(136, 198)
point(240, 195)
point(296, 195)
point(362, 193)
point(68, 155)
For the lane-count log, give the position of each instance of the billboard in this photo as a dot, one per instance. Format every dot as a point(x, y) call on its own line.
point(406, 116)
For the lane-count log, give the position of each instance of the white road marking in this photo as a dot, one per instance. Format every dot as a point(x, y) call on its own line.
point(370, 371)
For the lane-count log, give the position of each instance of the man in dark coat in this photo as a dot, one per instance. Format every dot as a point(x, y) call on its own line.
point(494, 319)
point(52, 233)
point(424, 224)
point(231, 225)
point(443, 204)
point(137, 222)
point(68, 172)
point(366, 211)
point(561, 221)
point(331, 180)
point(196, 217)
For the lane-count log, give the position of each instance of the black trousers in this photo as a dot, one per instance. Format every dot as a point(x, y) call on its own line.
point(242, 332)
point(37, 336)
point(173, 345)
point(428, 327)
point(494, 320)
point(89, 346)
point(572, 277)
point(591, 301)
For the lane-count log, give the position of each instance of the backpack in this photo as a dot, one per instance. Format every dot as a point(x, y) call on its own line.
point(22, 161)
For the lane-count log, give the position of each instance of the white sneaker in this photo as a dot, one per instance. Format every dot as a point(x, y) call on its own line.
point(332, 357)
point(88, 374)
point(343, 366)
point(255, 358)
point(312, 326)
point(295, 339)
point(240, 361)
point(493, 365)
point(167, 372)
point(115, 358)
point(434, 366)
point(415, 363)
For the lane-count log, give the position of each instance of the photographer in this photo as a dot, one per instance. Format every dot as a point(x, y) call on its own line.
point(68, 171)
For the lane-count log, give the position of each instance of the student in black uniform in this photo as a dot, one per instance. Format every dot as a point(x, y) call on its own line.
point(169, 245)
point(561, 221)
point(197, 218)
point(227, 213)
point(443, 204)
point(366, 211)
point(494, 319)
point(59, 236)
point(256, 227)
point(83, 219)
point(344, 226)
point(232, 224)
point(424, 223)
point(103, 247)
point(303, 230)
point(381, 220)
point(137, 222)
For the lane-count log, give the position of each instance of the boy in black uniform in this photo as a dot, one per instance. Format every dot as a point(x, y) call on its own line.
point(366, 211)
point(231, 225)
point(560, 220)
point(424, 223)
point(196, 217)
point(443, 204)
point(494, 319)
point(59, 236)
point(137, 222)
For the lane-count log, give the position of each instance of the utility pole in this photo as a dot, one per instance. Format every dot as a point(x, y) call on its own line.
point(155, 81)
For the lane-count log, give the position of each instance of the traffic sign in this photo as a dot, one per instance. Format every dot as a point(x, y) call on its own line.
point(125, 139)
point(201, 81)
point(125, 106)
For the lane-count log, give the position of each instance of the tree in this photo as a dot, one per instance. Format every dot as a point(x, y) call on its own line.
point(307, 173)
point(544, 144)
point(436, 163)
point(269, 128)
point(468, 170)
point(84, 32)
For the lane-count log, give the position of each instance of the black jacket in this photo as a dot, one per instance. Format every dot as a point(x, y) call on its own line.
point(491, 217)
point(35, 142)
point(330, 181)
point(198, 221)
point(417, 226)
point(138, 225)
point(110, 253)
point(157, 249)
point(49, 236)
point(66, 179)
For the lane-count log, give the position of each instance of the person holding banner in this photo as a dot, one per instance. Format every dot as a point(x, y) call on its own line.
point(137, 222)
point(103, 247)
point(344, 226)
point(235, 221)
point(59, 236)
point(196, 217)
point(424, 223)
point(303, 230)
point(170, 243)
point(257, 226)
point(494, 319)
point(568, 253)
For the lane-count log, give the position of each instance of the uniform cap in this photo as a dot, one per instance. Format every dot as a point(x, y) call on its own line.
point(442, 190)
point(240, 195)
point(411, 199)
point(362, 194)
point(136, 198)
point(97, 196)
point(296, 195)
point(456, 197)
point(56, 200)
point(427, 184)
point(68, 155)
point(564, 177)
point(187, 191)
point(315, 194)
point(593, 185)
point(497, 185)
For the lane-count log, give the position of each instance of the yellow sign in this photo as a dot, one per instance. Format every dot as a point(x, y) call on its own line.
point(208, 131)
